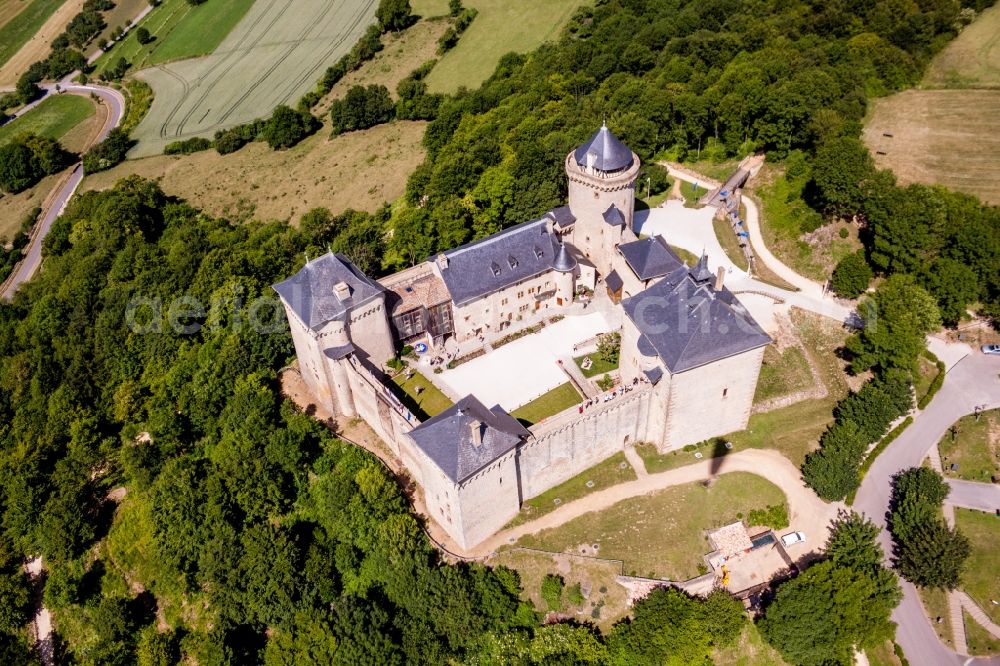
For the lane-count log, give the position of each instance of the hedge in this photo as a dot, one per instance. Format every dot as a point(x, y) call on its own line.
point(936, 383)
point(879, 448)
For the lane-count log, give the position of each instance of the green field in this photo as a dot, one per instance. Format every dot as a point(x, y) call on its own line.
point(980, 580)
point(598, 365)
point(661, 535)
point(501, 27)
point(20, 29)
point(181, 31)
point(783, 373)
point(53, 118)
point(560, 398)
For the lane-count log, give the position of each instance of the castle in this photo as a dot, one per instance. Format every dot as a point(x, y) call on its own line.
point(690, 353)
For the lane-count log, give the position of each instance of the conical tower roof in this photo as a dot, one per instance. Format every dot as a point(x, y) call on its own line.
point(609, 154)
point(564, 261)
point(701, 271)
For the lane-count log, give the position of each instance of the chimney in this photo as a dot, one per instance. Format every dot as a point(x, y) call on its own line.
point(442, 261)
point(342, 291)
point(720, 276)
point(476, 427)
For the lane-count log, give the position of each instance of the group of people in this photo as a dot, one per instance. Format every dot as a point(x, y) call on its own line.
point(611, 395)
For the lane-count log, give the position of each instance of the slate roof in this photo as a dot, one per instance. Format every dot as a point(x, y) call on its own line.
point(650, 258)
point(447, 438)
point(610, 154)
point(310, 291)
point(701, 272)
point(564, 261)
point(562, 216)
point(654, 375)
point(614, 216)
point(614, 281)
point(689, 324)
point(498, 261)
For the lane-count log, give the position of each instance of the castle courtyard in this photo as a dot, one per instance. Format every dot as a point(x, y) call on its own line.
point(522, 370)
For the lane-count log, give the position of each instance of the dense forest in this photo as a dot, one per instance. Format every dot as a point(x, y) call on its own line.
point(247, 532)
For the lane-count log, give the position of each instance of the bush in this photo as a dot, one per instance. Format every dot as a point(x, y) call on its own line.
point(609, 347)
point(605, 383)
point(29, 158)
point(575, 595)
point(188, 146)
point(774, 516)
point(361, 108)
point(287, 127)
point(936, 383)
point(552, 589)
point(107, 153)
point(142, 35)
point(451, 35)
point(655, 177)
point(852, 275)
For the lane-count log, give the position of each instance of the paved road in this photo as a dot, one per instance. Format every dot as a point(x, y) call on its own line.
point(973, 495)
point(973, 381)
point(33, 253)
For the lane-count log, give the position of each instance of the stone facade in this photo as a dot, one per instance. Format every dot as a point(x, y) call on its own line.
point(687, 380)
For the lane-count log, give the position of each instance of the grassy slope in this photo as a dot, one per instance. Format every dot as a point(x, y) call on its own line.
point(782, 373)
point(604, 474)
point(20, 28)
point(662, 534)
point(972, 59)
point(53, 118)
point(501, 27)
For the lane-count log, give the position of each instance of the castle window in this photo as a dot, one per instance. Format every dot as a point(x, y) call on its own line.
point(503, 301)
point(724, 392)
point(501, 480)
point(512, 261)
point(495, 267)
point(538, 252)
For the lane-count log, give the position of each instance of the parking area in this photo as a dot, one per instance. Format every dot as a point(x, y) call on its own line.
point(520, 371)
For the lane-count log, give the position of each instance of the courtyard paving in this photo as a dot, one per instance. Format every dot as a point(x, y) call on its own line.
point(520, 371)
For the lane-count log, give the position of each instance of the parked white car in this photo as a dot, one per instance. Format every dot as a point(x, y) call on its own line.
point(990, 349)
point(792, 538)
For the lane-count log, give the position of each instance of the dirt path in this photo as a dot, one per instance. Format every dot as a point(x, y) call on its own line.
point(807, 512)
point(37, 48)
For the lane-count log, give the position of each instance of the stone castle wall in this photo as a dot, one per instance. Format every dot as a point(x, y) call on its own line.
point(558, 453)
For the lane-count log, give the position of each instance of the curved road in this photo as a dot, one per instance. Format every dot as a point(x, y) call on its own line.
point(33, 253)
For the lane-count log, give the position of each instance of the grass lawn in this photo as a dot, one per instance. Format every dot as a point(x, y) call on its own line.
point(978, 639)
point(975, 449)
point(656, 199)
point(181, 31)
point(429, 8)
point(692, 193)
point(730, 244)
point(883, 655)
point(608, 601)
point(53, 118)
point(560, 398)
point(500, 27)
point(936, 604)
point(119, 15)
point(926, 372)
point(598, 367)
point(980, 578)
point(662, 535)
point(604, 474)
point(749, 650)
point(16, 32)
point(719, 171)
point(783, 373)
point(690, 258)
point(420, 396)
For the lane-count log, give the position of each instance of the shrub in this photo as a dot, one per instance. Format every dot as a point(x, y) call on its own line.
point(187, 146)
point(574, 595)
point(29, 158)
point(843, 233)
point(142, 35)
point(287, 127)
point(936, 383)
point(605, 383)
point(609, 347)
point(552, 589)
point(361, 108)
point(107, 153)
point(774, 516)
point(852, 275)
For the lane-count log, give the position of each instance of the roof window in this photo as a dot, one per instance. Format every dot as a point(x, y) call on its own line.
point(512, 261)
point(495, 267)
point(539, 253)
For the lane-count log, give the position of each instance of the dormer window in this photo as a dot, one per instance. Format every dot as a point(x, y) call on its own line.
point(512, 261)
point(495, 267)
point(539, 253)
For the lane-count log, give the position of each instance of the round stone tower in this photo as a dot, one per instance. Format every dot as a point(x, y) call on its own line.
point(601, 174)
point(565, 266)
